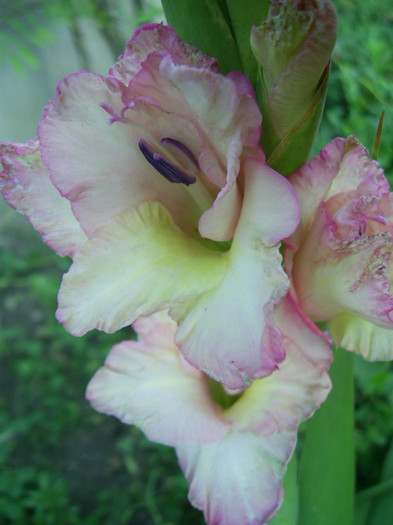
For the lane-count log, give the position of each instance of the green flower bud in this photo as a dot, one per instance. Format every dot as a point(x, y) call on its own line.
point(293, 47)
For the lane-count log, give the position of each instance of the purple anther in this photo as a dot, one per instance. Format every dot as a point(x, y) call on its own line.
point(167, 169)
point(183, 148)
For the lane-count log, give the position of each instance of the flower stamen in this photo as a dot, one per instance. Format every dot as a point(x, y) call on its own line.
point(176, 146)
point(165, 167)
point(176, 163)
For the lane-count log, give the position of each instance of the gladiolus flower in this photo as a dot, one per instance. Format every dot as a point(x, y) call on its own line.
point(152, 180)
point(340, 257)
point(233, 446)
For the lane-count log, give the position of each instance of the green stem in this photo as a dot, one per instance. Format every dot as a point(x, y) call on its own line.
point(205, 24)
point(287, 515)
point(327, 462)
point(241, 22)
point(376, 490)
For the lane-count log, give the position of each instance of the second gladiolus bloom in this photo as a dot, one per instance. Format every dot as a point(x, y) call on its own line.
point(340, 257)
point(233, 446)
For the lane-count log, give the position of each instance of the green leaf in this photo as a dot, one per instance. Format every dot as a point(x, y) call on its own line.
point(241, 21)
point(362, 509)
point(203, 24)
point(288, 513)
point(327, 463)
point(381, 509)
point(365, 500)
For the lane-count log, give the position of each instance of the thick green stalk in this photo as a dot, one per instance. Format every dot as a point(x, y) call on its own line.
point(327, 461)
point(205, 24)
point(288, 513)
point(241, 21)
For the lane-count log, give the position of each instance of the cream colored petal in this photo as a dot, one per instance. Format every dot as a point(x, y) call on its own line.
point(145, 385)
point(140, 264)
point(227, 331)
point(26, 186)
point(237, 481)
point(296, 389)
point(358, 335)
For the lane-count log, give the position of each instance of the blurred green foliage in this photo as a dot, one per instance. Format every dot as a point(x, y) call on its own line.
point(25, 25)
point(62, 463)
point(361, 80)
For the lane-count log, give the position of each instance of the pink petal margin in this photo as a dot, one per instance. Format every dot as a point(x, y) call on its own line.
point(26, 186)
point(234, 459)
point(237, 480)
point(150, 38)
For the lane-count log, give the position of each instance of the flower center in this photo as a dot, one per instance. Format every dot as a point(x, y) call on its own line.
point(174, 161)
point(221, 395)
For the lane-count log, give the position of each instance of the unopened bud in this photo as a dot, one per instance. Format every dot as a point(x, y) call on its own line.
point(293, 47)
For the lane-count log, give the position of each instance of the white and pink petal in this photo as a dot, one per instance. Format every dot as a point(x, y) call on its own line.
point(97, 164)
point(141, 263)
point(341, 172)
point(145, 385)
point(362, 337)
point(297, 388)
point(223, 109)
point(331, 276)
point(237, 480)
point(358, 174)
point(227, 331)
point(26, 186)
point(150, 38)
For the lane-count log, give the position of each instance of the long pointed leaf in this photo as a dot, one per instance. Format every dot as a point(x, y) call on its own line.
point(204, 24)
point(241, 20)
point(327, 459)
point(381, 509)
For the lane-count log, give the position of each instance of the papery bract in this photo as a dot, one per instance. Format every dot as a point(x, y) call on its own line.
point(167, 202)
point(233, 454)
point(340, 257)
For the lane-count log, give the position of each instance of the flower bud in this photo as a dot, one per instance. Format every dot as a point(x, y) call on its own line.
point(293, 47)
